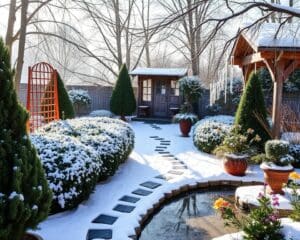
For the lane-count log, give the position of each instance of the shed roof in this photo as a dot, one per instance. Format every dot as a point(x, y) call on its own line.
point(267, 36)
point(178, 72)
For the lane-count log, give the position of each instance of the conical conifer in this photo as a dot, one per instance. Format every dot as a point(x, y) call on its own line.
point(25, 196)
point(252, 111)
point(123, 101)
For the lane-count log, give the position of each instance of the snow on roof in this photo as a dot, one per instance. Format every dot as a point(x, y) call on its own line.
point(160, 71)
point(266, 36)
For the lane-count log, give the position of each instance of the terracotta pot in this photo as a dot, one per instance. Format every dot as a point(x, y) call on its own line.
point(32, 236)
point(235, 165)
point(185, 127)
point(276, 179)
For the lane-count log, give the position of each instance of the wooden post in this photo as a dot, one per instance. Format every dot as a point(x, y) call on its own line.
point(277, 100)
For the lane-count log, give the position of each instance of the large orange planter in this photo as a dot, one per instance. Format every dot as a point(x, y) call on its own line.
point(185, 127)
point(235, 165)
point(276, 179)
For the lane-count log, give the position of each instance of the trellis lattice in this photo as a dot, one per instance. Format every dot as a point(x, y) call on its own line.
point(42, 95)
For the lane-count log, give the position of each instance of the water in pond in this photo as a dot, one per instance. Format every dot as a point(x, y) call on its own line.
point(190, 217)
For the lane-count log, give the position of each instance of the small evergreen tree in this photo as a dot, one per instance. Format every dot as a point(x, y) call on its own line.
point(66, 109)
point(123, 101)
point(25, 196)
point(251, 105)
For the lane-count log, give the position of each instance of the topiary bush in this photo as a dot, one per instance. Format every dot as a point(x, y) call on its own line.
point(252, 106)
point(208, 135)
point(123, 101)
point(72, 168)
point(25, 196)
point(276, 148)
point(92, 147)
point(66, 109)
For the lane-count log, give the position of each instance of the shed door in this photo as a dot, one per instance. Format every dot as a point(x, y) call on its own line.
point(161, 98)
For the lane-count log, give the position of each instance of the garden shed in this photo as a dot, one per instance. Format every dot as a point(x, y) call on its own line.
point(276, 47)
point(158, 91)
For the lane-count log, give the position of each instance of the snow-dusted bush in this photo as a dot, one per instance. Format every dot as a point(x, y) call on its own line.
point(208, 135)
point(226, 119)
point(101, 113)
point(294, 151)
point(79, 96)
point(71, 168)
point(104, 141)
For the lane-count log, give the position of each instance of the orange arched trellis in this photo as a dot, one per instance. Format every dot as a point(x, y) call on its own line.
point(42, 95)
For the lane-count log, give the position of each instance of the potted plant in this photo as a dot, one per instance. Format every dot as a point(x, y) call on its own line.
point(236, 149)
point(81, 100)
point(185, 120)
point(191, 88)
point(277, 165)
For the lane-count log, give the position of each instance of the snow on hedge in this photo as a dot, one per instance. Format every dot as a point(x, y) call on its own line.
point(79, 96)
point(77, 152)
point(101, 113)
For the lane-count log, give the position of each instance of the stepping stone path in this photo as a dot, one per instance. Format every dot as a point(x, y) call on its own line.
point(178, 168)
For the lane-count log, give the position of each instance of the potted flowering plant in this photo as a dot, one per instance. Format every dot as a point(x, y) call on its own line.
point(236, 149)
point(191, 88)
point(261, 223)
point(277, 165)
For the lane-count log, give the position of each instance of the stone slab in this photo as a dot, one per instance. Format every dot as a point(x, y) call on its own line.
point(150, 184)
point(141, 192)
point(129, 199)
point(105, 219)
point(99, 234)
point(124, 208)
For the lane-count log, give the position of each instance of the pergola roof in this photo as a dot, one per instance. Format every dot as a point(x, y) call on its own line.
point(272, 35)
point(266, 42)
point(176, 72)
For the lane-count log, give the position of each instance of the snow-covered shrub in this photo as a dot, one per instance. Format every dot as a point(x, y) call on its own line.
point(78, 152)
point(208, 135)
point(79, 96)
point(71, 168)
point(294, 151)
point(225, 119)
point(101, 113)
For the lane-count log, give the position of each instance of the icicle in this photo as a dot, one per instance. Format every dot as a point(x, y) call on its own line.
point(231, 77)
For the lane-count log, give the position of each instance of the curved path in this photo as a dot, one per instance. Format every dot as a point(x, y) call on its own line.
point(162, 163)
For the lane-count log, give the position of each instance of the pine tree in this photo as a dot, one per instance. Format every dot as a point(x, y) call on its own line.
point(25, 196)
point(252, 104)
point(123, 101)
point(66, 109)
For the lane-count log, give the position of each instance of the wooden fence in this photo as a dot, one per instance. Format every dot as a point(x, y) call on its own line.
point(100, 97)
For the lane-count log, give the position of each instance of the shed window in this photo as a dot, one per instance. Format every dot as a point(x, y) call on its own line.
point(147, 89)
point(174, 88)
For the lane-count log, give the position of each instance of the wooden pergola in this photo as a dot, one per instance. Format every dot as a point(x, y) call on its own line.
point(278, 51)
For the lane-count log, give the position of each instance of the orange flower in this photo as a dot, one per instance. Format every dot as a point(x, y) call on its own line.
point(294, 175)
point(220, 203)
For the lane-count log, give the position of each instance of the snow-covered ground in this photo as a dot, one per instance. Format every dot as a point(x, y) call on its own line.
point(143, 165)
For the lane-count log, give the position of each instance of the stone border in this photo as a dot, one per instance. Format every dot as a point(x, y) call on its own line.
point(209, 185)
